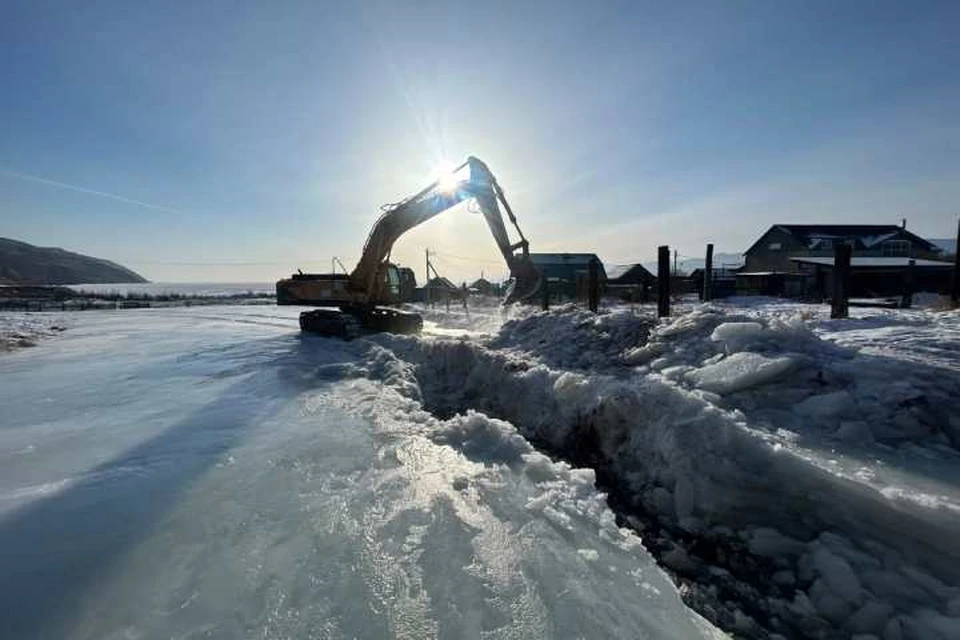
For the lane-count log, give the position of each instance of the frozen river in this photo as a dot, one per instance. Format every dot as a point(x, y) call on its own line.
point(209, 473)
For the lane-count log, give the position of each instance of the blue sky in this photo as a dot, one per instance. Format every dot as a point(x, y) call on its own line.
point(230, 141)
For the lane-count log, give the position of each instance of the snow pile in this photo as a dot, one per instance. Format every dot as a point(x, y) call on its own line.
point(721, 431)
point(570, 338)
point(387, 389)
point(18, 330)
point(782, 372)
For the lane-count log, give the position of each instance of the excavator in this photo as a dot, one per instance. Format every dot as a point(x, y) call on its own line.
point(354, 303)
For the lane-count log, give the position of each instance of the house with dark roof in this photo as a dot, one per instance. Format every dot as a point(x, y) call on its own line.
point(439, 289)
point(629, 274)
point(481, 287)
point(774, 251)
point(796, 260)
point(630, 282)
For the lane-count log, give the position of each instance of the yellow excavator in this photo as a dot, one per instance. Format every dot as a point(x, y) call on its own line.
point(351, 304)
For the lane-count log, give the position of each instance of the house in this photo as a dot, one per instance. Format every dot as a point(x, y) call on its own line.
point(773, 251)
point(439, 289)
point(566, 273)
point(631, 282)
point(629, 274)
point(773, 266)
point(482, 287)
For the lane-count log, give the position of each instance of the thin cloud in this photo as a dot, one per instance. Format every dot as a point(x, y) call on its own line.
point(93, 192)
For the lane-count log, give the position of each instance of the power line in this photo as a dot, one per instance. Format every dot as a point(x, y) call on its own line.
point(447, 255)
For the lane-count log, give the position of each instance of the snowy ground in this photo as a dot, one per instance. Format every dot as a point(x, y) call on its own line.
point(211, 471)
point(797, 474)
point(20, 330)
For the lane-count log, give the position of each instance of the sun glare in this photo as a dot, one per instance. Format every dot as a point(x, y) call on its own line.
point(445, 176)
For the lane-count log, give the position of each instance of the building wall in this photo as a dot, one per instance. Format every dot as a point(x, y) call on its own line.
point(764, 256)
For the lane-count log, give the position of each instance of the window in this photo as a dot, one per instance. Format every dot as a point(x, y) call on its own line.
point(775, 246)
point(895, 249)
point(824, 244)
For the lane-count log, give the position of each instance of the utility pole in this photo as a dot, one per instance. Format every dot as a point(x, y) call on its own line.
point(675, 262)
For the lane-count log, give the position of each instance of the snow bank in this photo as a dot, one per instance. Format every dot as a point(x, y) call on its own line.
point(747, 439)
point(393, 386)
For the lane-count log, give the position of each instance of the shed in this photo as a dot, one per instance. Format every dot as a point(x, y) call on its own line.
point(562, 271)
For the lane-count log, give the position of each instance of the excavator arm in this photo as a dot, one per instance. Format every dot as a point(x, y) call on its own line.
point(433, 200)
point(350, 305)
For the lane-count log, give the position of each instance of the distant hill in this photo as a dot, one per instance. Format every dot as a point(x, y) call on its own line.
point(22, 263)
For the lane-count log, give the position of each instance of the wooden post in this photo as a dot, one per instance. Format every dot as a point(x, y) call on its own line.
point(708, 275)
point(955, 288)
point(663, 281)
point(545, 301)
point(593, 286)
point(841, 281)
point(906, 301)
point(426, 285)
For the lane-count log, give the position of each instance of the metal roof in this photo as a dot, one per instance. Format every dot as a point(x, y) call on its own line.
point(628, 271)
point(565, 266)
point(867, 261)
point(812, 236)
point(563, 258)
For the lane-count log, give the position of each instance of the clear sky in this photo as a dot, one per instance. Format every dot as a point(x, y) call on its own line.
point(231, 141)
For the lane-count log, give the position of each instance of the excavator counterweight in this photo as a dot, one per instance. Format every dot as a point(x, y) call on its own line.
point(354, 303)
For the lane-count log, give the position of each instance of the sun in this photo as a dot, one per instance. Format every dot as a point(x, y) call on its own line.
point(446, 177)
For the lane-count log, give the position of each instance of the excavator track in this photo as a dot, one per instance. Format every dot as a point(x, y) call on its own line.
point(332, 323)
point(386, 319)
point(351, 323)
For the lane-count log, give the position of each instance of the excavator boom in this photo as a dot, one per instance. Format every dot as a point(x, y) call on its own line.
point(368, 285)
point(434, 200)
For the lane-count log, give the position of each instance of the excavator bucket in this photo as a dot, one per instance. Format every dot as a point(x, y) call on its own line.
point(525, 281)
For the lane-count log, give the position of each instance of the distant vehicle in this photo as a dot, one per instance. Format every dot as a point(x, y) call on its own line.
point(355, 302)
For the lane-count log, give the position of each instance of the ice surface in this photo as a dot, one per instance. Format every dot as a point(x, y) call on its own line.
point(212, 473)
point(738, 372)
point(799, 476)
